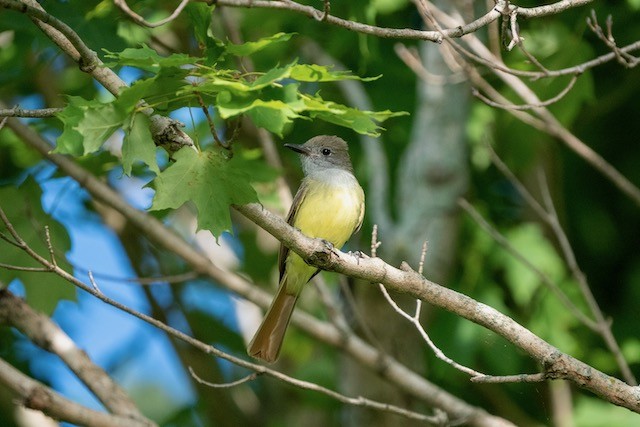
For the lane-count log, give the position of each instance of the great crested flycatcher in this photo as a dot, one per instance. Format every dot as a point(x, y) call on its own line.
point(329, 205)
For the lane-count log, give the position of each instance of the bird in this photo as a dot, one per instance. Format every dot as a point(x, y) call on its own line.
point(329, 205)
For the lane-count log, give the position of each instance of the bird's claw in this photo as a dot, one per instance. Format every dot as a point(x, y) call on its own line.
point(358, 255)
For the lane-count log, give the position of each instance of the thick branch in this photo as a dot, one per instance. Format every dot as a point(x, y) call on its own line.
point(166, 131)
point(45, 333)
point(35, 395)
point(556, 364)
point(501, 7)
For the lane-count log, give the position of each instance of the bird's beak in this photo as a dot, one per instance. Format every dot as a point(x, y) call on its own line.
point(301, 149)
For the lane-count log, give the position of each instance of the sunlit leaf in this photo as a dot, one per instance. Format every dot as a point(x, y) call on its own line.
point(321, 73)
point(363, 122)
point(249, 48)
point(148, 59)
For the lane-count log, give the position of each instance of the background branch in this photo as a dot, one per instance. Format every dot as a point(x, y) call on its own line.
point(34, 395)
point(46, 334)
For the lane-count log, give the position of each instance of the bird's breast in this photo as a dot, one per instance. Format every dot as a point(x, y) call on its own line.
point(330, 210)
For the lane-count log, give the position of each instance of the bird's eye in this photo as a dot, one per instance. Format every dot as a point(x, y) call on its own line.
point(326, 151)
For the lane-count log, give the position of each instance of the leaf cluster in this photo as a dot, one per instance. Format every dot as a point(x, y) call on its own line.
point(211, 178)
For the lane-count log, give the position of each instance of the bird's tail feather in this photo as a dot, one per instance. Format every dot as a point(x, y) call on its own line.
point(267, 341)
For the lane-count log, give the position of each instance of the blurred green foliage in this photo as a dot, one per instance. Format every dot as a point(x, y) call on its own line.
point(602, 225)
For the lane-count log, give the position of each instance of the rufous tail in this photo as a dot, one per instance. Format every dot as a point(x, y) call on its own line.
point(267, 341)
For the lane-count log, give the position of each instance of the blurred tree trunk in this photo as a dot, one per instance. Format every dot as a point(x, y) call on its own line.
point(432, 175)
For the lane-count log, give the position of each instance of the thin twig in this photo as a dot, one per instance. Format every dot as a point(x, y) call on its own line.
point(93, 283)
point(515, 33)
point(145, 281)
point(533, 59)
point(212, 126)
point(9, 240)
point(423, 255)
point(415, 319)
point(624, 58)
point(521, 378)
point(252, 376)
point(21, 112)
point(52, 256)
point(416, 322)
point(122, 4)
point(375, 244)
point(411, 59)
point(521, 107)
point(20, 268)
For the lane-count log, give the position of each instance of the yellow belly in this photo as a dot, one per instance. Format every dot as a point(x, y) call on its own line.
point(328, 212)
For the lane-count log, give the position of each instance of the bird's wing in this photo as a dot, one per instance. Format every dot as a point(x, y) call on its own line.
point(297, 201)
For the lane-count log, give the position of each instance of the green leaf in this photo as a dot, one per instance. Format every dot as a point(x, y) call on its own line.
point(131, 96)
point(15, 155)
point(208, 180)
point(271, 77)
point(148, 59)
point(592, 412)
point(163, 91)
point(363, 122)
point(98, 123)
point(272, 115)
point(250, 48)
point(321, 73)
point(138, 144)
point(71, 141)
point(215, 83)
point(200, 18)
point(529, 239)
point(200, 15)
point(22, 207)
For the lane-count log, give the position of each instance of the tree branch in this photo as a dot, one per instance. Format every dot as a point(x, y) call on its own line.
point(20, 112)
point(556, 364)
point(552, 126)
point(35, 395)
point(45, 333)
point(501, 7)
point(166, 131)
point(122, 4)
